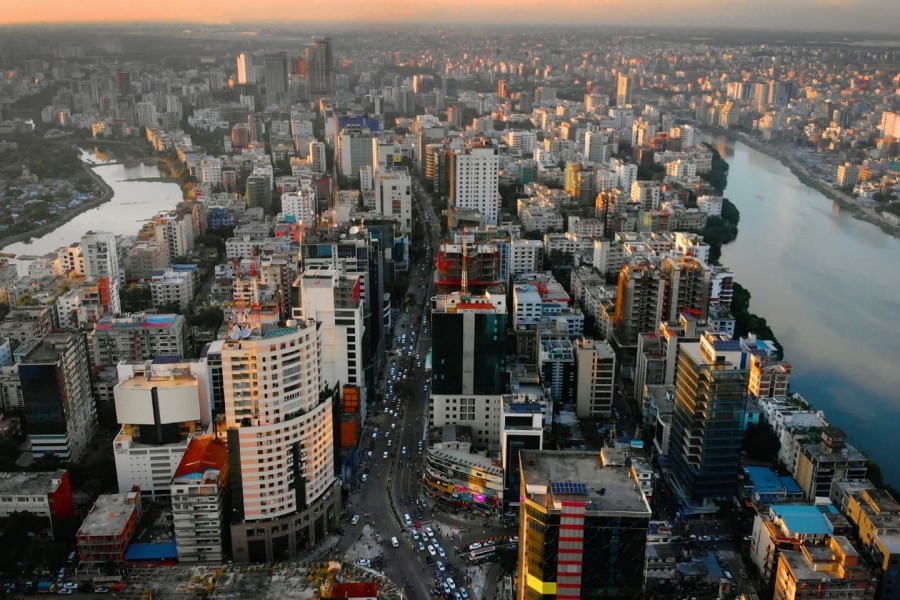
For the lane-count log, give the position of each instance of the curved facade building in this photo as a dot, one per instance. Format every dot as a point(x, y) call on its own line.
point(278, 416)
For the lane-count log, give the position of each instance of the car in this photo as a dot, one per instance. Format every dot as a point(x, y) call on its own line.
point(451, 583)
point(374, 435)
point(440, 566)
point(406, 516)
point(385, 455)
point(704, 538)
point(441, 552)
point(394, 542)
point(65, 591)
point(403, 451)
point(727, 574)
point(446, 587)
point(490, 543)
point(354, 520)
point(369, 454)
point(464, 593)
point(429, 531)
point(421, 547)
point(431, 550)
point(364, 562)
point(101, 589)
point(474, 545)
point(415, 534)
point(365, 477)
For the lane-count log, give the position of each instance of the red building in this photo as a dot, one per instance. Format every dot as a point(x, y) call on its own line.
point(107, 530)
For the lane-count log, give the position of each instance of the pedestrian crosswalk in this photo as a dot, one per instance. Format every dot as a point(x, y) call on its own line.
point(726, 554)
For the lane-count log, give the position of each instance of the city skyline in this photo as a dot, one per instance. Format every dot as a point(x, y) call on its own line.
point(872, 16)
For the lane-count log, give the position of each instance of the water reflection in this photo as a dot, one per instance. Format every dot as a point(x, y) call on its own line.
point(829, 285)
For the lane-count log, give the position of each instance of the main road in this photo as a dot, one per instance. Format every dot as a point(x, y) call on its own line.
point(391, 476)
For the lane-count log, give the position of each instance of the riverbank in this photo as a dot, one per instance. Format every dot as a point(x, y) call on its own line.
point(105, 196)
point(802, 173)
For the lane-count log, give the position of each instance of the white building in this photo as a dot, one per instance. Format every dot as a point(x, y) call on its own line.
point(211, 170)
point(159, 415)
point(595, 378)
point(172, 286)
point(333, 300)
point(521, 141)
point(711, 205)
point(625, 172)
point(393, 198)
point(278, 421)
point(525, 256)
point(474, 180)
point(101, 263)
point(175, 232)
point(301, 204)
point(199, 489)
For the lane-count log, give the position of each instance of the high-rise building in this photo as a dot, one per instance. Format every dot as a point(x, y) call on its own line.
point(583, 526)
point(137, 337)
point(175, 231)
point(278, 419)
point(333, 300)
point(623, 89)
point(831, 570)
point(60, 415)
point(354, 150)
point(320, 61)
point(258, 192)
point(201, 501)
point(708, 419)
point(474, 180)
point(468, 362)
point(595, 379)
point(639, 301)
point(502, 89)
point(246, 73)
point(159, 413)
point(393, 198)
point(276, 67)
point(101, 264)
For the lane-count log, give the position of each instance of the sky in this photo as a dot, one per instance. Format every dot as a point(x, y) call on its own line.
point(856, 16)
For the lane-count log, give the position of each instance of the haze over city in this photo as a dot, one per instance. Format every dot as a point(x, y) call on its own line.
point(874, 16)
point(450, 300)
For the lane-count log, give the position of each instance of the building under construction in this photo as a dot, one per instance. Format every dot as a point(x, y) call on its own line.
point(483, 266)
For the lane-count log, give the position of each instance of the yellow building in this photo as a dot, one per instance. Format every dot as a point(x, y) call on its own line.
point(832, 570)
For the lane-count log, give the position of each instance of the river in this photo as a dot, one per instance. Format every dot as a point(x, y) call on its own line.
point(829, 285)
point(133, 202)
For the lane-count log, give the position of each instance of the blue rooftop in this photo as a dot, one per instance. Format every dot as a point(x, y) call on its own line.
point(152, 552)
point(280, 332)
point(803, 519)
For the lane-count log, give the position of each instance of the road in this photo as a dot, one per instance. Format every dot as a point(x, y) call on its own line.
point(392, 477)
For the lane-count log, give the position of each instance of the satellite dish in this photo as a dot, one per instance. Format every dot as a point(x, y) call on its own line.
point(343, 236)
point(354, 230)
point(235, 334)
point(245, 332)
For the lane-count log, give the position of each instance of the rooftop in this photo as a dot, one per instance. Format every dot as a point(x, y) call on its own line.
point(110, 514)
point(605, 489)
point(21, 484)
point(204, 455)
point(802, 519)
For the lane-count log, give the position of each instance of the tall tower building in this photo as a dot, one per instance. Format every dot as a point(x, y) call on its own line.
point(333, 300)
point(474, 182)
point(639, 300)
point(245, 70)
point(393, 198)
point(278, 420)
point(623, 90)
point(60, 415)
point(502, 89)
point(582, 526)
point(258, 192)
point(707, 422)
point(469, 362)
point(101, 264)
point(276, 66)
point(596, 378)
point(320, 60)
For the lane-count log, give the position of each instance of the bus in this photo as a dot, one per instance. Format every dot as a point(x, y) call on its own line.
point(485, 554)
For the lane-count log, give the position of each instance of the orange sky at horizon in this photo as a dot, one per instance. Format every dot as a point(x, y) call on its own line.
point(857, 15)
